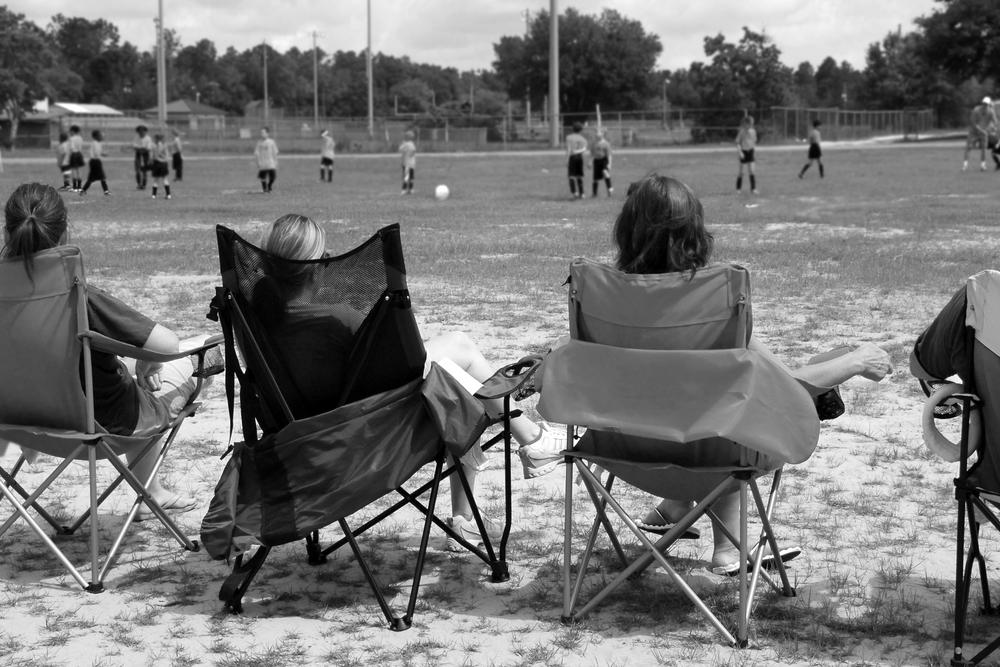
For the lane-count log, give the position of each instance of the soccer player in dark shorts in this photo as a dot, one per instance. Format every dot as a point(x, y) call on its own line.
point(815, 152)
point(576, 148)
point(746, 143)
point(601, 152)
point(142, 144)
point(96, 165)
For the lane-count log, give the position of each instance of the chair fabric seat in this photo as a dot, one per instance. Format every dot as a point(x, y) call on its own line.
point(315, 471)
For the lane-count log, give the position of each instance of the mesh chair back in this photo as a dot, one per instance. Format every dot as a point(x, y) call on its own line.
point(671, 311)
point(329, 331)
point(42, 315)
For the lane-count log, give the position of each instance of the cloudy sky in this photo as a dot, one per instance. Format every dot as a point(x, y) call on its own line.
point(461, 33)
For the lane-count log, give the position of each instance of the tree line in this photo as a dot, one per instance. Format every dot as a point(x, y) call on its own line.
point(607, 59)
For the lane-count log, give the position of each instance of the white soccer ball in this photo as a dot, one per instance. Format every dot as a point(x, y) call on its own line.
point(441, 192)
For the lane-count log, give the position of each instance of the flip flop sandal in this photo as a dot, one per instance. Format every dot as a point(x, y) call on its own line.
point(662, 526)
point(767, 562)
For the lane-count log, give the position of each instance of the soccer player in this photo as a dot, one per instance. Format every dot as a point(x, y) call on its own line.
point(176, 155)
point(982, 122)
point(159, 167)
point(601, 153)
point(62, 159)
point(266, 154)
point(815, 152)
point(326, 155)
point(746, 144)
point(576, 148)
point(96, 164)
point(75, 157)
point(408, 158)
point(142, 144)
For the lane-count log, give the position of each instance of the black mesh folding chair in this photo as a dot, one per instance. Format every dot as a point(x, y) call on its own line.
point(964, 340)
point(47, 406)
point(336, 411)
point(674, 403)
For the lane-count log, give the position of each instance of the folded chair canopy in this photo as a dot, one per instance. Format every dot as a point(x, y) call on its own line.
point(675, 402)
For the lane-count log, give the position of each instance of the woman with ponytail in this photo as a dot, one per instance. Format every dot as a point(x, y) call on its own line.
point(127, 399)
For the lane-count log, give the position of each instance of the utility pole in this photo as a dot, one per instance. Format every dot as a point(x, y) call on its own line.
point(161, 71)
point(315, 84)
point(527, 85)
point(554, 71)
point(368, 68)
point(267, 103)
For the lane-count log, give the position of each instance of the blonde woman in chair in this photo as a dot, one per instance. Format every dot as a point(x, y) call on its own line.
point(661, 229)
point(298, 237)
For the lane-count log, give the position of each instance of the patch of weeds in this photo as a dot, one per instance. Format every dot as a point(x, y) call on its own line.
point(570, 638)
point(428, 649)
point(276, 655)
point(540, 653)
point(121, 633)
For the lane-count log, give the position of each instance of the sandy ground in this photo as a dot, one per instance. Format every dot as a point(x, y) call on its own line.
point(870, 509)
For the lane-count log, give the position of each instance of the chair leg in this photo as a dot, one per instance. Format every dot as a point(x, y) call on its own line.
point(236, 584)
point(395, 622)
point(653, 552)
point(95, 576)
point(407, 619)
point(569, 594)
point(9, 479)
point(22, 512)
point(743, 623)
point(31, 499)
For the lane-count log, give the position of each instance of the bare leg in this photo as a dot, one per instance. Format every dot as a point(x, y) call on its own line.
point(727, 508)
point(462, 350)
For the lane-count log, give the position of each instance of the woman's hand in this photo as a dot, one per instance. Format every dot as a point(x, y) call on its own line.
point(147, 375)
point(875, 362)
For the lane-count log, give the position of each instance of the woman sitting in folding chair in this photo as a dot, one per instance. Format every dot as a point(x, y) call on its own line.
point(127, 400)
point(298, 237)
point(661, 229)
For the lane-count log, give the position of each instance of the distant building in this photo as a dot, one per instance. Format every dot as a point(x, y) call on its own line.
point(40, 127)
point(191, 114)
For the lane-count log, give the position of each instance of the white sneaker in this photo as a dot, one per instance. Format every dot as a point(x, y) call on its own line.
point(543, 455)
point(467, 529)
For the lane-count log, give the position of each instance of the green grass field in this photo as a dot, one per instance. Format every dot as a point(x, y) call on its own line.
point(870, 252)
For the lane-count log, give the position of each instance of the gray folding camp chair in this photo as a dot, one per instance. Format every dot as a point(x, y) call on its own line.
point(659, 373)
point(964, 340)
point(47, 402)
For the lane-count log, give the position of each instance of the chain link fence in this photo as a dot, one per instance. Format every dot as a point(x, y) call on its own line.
point(647, 129)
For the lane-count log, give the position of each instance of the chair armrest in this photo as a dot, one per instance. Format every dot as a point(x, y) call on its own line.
point(510, 379)
point(104, 343)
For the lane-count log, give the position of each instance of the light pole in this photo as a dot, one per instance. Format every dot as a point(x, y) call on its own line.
point(527, 84)
point(368, 69)
point(315, 84)
point(267, 104)
point(664, 123)
point(161, 71)
point(554, 72)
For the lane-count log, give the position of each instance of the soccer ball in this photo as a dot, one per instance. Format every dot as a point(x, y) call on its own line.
point(441, 192)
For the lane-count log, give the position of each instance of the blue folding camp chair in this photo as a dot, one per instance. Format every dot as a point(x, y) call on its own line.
point(659, 374)
point(964, 341)
point(47, 403)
